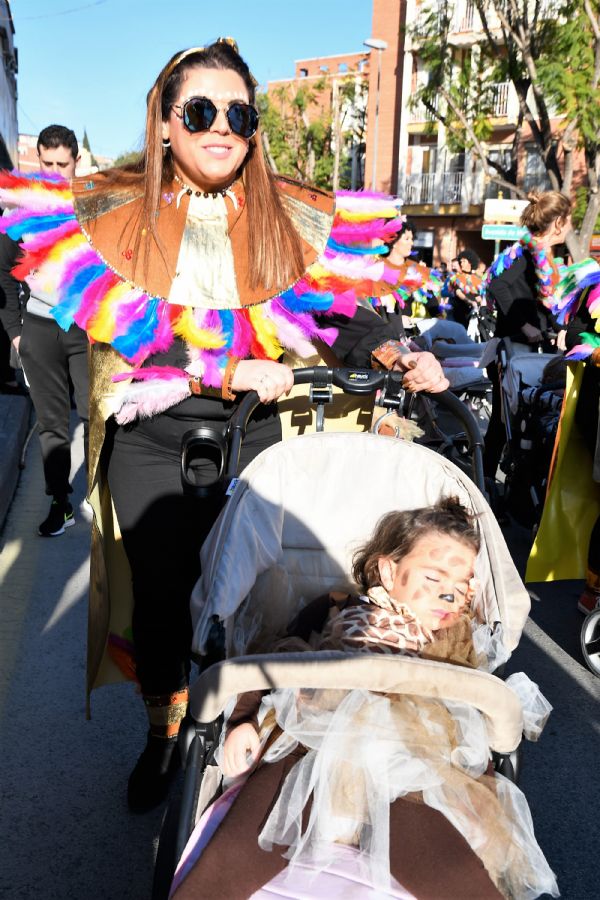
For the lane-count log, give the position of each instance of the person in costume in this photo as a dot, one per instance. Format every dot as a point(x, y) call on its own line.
point(192, 271)
point(416, 291)
point(375, 771)
point(568, 540)
point(520, 286)
point(53, 359)
point(464, 287)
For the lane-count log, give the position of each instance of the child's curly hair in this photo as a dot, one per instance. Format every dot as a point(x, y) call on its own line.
point(397, 532)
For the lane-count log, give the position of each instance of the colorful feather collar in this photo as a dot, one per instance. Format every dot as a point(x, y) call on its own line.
point(546, 273)
point(59, 256)
point(580, 284)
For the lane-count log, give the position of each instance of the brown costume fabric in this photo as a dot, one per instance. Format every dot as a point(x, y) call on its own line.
point(109, 219)
point(428, 857)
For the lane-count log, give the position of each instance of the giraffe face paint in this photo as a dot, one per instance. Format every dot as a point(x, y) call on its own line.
point(433, 579)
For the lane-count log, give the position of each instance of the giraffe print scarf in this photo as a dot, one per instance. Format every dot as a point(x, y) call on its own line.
point(377, 623)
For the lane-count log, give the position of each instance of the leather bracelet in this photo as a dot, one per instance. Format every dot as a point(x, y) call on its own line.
point(197, 388)
point(386, 355)
point(226, 392)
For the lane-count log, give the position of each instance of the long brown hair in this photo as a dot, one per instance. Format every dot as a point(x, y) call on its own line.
point(274, 249)
point(397, 533)
point(544, 207)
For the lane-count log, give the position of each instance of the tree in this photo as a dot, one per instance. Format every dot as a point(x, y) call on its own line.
point(550, 54)
point(86, 146)
point(127, 159)
point(308, 144)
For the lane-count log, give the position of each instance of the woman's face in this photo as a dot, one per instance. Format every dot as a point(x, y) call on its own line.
point(402, 248)
point(209, 159)
point(433, 580)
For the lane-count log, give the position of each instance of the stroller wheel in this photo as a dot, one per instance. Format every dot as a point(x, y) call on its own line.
point(590, 641)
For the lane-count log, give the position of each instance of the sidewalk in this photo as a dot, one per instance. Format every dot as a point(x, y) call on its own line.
point(15, 417)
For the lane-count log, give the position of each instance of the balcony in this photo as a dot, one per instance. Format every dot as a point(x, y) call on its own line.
point(443, 189)
point(464, 18)
point(419, 114)
point(500, 93)
point(419, 189)
point(452, 187)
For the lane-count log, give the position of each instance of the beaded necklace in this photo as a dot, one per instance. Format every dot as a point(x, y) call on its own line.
point(544, 270)
point(186, 189)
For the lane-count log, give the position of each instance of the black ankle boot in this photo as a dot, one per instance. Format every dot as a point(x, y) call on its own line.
point(153, 774)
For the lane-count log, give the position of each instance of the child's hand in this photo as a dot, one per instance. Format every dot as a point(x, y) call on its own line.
point(240, 750)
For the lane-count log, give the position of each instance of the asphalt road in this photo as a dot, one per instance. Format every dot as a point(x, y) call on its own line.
point(66, 829)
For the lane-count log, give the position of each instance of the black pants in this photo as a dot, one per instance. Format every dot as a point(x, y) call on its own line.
point(163, 530)
point(50, 357)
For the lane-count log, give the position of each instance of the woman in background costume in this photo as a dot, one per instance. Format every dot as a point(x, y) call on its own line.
point(192, 272)
point(416, 289)
point(520, 286)
point(567, 543)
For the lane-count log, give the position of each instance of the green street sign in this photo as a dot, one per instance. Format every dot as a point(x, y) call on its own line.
point(502, 232)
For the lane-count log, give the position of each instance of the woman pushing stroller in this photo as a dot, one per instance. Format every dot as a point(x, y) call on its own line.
point(192, 272)
point(398, 777)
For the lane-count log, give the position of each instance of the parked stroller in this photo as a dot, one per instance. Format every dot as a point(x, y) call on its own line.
point(287, 534)
point(532, 386)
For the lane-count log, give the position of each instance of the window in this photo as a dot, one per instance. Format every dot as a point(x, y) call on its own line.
point(536, 177)
point(303, 73)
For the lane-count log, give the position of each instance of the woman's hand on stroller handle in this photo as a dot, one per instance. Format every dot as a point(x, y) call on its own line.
point(269, 379)
point(240, 750)
point(422, 373)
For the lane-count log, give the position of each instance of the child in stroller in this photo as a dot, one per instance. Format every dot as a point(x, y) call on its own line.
point(428, 557)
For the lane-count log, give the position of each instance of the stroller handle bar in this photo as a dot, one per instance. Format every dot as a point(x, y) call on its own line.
point(221, 682)
point(225, 446)
point(360, 382)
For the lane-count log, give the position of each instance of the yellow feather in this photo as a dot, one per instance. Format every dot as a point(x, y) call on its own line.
point(102, 326)
point(185, 326)
point(389, 213)
point(266, 332)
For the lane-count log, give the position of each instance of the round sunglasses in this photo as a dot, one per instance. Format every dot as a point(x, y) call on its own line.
point(199, 113)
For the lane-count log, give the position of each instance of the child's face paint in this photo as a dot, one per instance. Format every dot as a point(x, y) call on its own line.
point(432, 580)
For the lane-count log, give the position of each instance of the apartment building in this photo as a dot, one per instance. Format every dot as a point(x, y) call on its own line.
point(443, 192)
point(8, 89)
point(325, 76)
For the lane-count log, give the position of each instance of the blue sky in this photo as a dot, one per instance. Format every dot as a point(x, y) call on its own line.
point(89, 63)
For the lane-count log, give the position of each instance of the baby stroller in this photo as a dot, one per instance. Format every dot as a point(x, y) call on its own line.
point(530, 411)
point(288, 532)
point(463, 362)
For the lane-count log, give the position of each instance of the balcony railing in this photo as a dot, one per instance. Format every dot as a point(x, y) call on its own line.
point(500, 99)
point(464, 17)
point(420, 113)
point(419, 188)
point(452, 186)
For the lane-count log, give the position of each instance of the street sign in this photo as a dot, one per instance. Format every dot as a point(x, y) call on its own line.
point(502, 232)
point(508, 211)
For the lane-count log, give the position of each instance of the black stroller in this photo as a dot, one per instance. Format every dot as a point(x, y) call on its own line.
point(531, 405)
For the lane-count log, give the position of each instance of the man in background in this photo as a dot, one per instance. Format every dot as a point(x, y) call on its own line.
point(52, 359)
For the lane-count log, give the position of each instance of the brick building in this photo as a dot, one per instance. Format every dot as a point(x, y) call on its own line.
point(324, 76)
point(442, 192)
point(9, 66)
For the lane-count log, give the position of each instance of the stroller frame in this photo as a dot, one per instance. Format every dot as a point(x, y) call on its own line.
point(217, 683)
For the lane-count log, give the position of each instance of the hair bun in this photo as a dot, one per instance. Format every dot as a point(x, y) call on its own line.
point(533, 196)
